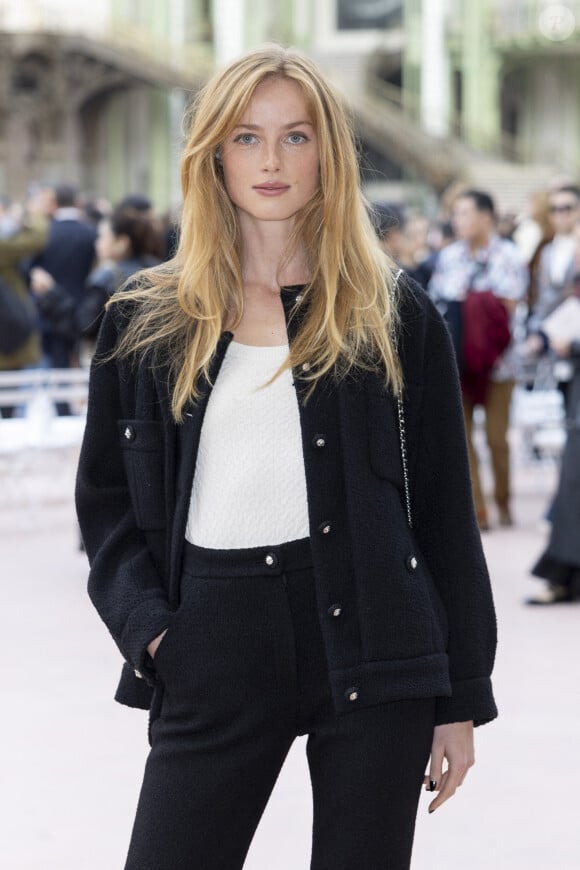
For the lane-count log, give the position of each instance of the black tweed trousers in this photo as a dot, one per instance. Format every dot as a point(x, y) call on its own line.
point(244, 672)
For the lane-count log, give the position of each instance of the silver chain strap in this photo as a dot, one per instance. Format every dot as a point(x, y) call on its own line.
point(403, 442)
point(403, 437)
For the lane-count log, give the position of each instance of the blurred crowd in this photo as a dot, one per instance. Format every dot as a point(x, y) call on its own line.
point(508, 286)
point(64, 255)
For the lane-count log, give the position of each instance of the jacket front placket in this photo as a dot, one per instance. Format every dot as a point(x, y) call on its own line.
point(328, 521)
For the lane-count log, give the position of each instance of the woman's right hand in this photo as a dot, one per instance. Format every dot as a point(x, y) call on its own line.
point(152, 646)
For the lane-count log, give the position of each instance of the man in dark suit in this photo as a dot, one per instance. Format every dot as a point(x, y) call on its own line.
point(66, 261)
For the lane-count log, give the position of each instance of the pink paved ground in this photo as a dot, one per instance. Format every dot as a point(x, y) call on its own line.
point(72, 759)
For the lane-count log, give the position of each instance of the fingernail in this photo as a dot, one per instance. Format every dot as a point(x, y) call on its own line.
point(431, 811)
point(432, 784)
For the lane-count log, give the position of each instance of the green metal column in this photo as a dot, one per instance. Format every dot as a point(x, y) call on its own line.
point(157, 19)
point(481, 68)
point(256, 14)
point(268, 22)
point(116, 148)
point(411, 72)
point(161, 150)
point(285, 21)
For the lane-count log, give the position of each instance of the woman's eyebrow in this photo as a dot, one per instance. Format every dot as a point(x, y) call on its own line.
point(284, 126)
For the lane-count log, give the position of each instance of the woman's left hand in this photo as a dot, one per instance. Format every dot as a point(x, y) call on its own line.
point(453, 742)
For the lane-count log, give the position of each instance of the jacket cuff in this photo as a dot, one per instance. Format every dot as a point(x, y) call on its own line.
point(470, 700)
point(145, 623)
point(132, 691)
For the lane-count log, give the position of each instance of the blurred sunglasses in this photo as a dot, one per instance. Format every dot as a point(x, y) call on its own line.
point(562, 209)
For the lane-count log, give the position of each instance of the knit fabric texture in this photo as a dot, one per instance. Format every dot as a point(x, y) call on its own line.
point(249, 487)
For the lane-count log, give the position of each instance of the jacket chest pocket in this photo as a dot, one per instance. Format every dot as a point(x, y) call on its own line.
point(383, 438)
point(143, 446)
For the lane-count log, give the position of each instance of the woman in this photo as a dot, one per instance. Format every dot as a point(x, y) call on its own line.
point(249, 534)
point(21, 236)
point(559, 564)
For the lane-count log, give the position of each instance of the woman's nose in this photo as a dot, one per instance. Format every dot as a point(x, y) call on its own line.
point(271, 156)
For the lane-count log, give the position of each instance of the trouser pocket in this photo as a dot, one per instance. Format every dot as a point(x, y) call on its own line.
point(230, 644)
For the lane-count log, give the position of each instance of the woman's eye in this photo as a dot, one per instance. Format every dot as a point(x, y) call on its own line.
point(297, 138)
point(245, 138)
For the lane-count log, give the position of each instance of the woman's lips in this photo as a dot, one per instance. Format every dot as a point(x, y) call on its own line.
point(271, 189)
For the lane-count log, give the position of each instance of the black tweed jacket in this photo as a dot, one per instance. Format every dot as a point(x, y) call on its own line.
point(416, 609)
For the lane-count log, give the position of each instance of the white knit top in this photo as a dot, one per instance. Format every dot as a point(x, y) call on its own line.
point(249, 487)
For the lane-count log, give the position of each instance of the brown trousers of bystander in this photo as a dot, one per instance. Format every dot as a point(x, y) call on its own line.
point(497, 409)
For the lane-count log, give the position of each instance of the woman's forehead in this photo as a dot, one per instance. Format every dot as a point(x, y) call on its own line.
point(278, 98)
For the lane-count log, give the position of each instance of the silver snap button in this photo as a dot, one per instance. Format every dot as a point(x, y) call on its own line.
point(305, 367)
point(129, 433)
point(334, 610)
point(319, 441)
point(299, 298)
point(271, 560)
point(324, 528)
point(412, 563)
point(138, 674)
point(351, 694)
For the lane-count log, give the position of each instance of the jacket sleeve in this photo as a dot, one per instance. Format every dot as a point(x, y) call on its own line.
point(448, 535)
point(124, 583)
point(30, 238)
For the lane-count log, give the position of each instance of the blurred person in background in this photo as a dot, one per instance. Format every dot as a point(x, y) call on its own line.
point(171, 231)
point(441, 234)
point(417, 229)
point(533, 232)
point(22, 233)
point(138, 202)
point(67, 260)
point(416, 251)
point(555, 273)
point(168, 225)
point(447, 200)
point(506, 224)
point(127, 241)
point(480, 262)
point(9, 217)
point(533, 224)
point(388, 219)
point(404, 239)
point(559, 565)
point(95, 208)
point(242, 497)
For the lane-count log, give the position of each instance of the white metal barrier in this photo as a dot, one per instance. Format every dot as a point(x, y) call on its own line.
point(38, 448)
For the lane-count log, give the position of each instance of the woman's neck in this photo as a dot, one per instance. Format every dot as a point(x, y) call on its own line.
point(264, 247)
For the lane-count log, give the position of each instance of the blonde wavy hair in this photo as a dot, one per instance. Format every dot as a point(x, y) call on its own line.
point(179, 310)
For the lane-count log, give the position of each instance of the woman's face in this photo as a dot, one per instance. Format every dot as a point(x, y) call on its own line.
point(108, 245)
point(270, 160)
